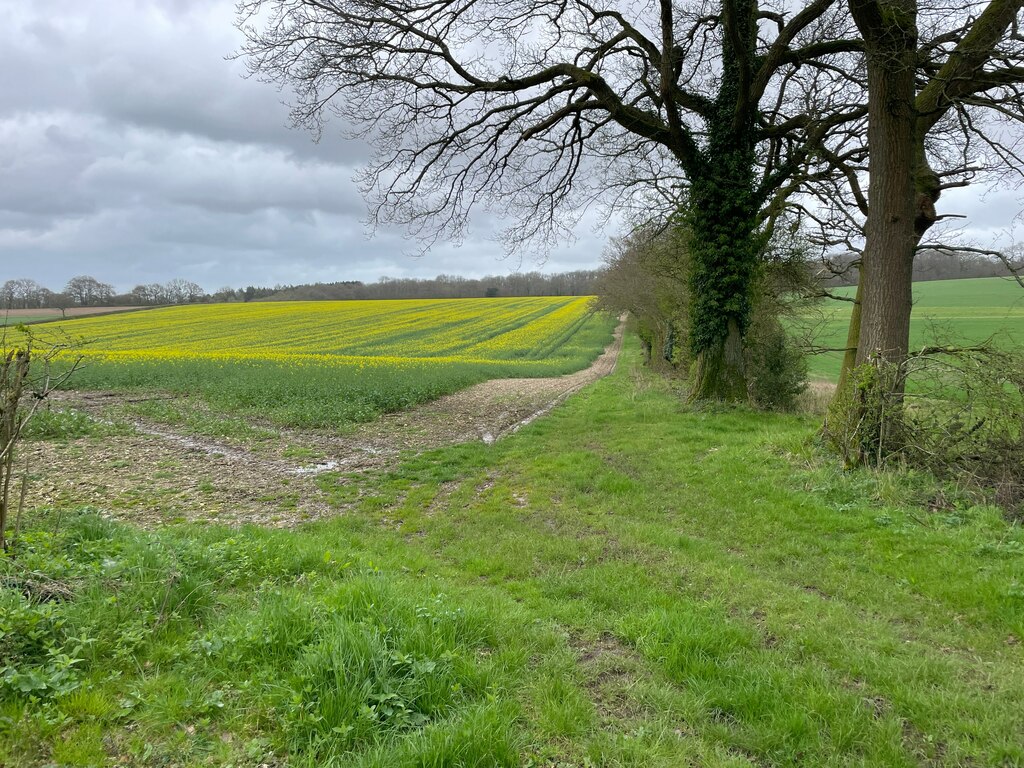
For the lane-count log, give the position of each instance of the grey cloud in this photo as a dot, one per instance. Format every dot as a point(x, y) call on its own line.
point(223, 178)
point(41, 168)
point(131, 148)
point(153, 65)
point(991, 216)
point(268, 247)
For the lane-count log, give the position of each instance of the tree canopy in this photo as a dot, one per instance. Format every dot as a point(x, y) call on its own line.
point(536, 109)
point(725, 115)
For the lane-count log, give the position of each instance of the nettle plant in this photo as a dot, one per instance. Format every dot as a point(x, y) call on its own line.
point(37, 660)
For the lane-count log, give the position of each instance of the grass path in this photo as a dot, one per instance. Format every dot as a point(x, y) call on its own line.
point(781, 616)
point(624, 582)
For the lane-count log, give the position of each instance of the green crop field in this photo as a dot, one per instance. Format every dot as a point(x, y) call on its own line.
point(325, 364)
point(19, 319)
point(945, 311)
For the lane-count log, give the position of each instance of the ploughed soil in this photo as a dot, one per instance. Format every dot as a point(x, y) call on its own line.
point(152, 473)
point(49, 313)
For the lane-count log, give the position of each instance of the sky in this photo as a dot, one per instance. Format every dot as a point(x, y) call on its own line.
point(133, 150)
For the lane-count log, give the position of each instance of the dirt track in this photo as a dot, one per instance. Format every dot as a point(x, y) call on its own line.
point(493, 409)
point(162, 475)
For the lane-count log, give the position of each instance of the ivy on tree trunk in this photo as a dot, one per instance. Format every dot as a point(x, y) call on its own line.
point(722, 216)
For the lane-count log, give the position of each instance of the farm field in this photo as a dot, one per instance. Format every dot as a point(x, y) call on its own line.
point(16, 316)
point(945, 311)
point(325, 364)
point(623, 583)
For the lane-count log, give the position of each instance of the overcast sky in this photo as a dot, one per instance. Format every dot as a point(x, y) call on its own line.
point(133, 151)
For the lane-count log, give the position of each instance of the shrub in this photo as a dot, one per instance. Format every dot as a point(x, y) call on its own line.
point(776, 368)
point(957, 412)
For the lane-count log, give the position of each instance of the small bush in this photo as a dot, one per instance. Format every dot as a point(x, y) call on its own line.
point(964, 419)
point(776, 368)
point(957, 413)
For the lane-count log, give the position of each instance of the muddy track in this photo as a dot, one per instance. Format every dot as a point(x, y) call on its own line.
point(162, 474)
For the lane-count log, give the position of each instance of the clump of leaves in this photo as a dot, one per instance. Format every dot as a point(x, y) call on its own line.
point(67, 424)
point(38, 658)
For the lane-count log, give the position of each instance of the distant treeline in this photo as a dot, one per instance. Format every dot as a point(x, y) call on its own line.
point(580, 283)
point(929, 265)
point(87, 291)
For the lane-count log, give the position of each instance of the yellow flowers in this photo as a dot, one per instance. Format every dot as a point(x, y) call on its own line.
point(362, 334)
point(323, 364)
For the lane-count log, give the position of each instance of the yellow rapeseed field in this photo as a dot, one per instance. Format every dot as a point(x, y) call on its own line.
point(367, 332)
point(328, 362)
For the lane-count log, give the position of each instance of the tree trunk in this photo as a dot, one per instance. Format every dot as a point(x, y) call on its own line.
point(889, 234)
point(722, 209)
point(719, 371)
point(867, 410)
point(852, 339)
point(723, 252)
point(14, 372)
point(724, 248)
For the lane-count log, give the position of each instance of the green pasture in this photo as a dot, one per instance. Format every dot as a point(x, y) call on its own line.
point(945, 312)
point(22, 319)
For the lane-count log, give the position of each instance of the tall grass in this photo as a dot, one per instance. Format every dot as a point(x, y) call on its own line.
point(327, 660)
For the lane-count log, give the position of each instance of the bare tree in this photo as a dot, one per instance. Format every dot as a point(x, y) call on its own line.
point(539, 108)
point(223, 294)
point(147, 294)
point(933, 73)
point(645, 276)
point(181, 291)
point(23, 294)
point(8, 294)
point(87, 291)
point(26, 379)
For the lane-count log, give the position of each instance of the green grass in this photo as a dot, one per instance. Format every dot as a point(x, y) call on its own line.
point(23, 319)
point(945, 312)
point(56, 423)
point(623, 583)
point(189, 414)
point(313, 396)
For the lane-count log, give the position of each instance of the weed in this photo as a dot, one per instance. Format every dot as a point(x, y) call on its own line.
point(69, 424)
